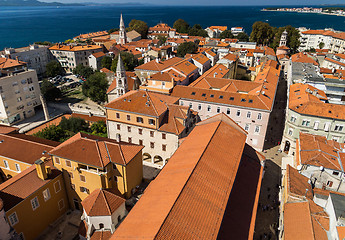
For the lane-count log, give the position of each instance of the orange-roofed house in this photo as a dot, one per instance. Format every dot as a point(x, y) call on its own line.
point(161, 29)
point(95, 60)
point(334, 61)
point(215, 31)
point(152, 120)
point(19, 89)
point(89, 162)
point(321, 160)
point(249, 103)
point(69, 56)
point(211, 189)
point(308, 111)
point(103, 211)
point(34, 199)
point(202, 62)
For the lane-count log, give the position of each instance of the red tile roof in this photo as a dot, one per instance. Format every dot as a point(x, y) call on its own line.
point(191, 193)
point(10, 63)
point(102, 203)
point(96, 151)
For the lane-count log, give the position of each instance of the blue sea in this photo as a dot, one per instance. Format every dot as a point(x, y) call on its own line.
point(20, 26)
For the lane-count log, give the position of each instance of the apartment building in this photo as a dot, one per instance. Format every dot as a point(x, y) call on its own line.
point(210, 187)
point(161, 29)
point(20, 91)
point(215, 31)
point(89, 162)
point(69, 56)
point(248, 103)
point(308, 112)
point(34, 199)
point(152, 120)
point(36, 56)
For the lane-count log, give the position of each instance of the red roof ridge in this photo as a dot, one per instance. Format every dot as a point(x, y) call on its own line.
point(99, 152)
point(25, 140)
point(153, 105)
point(106, 200)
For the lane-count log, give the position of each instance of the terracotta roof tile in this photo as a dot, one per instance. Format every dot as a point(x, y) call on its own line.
point(10, 63)
point(102, 203)
point(101, 235)
point(154, 66)
point(192, 191)
point(96, 151)
point(71, 48)
point(297, 184)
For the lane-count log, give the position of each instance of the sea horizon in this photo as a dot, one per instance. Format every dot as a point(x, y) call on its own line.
point(21, 26)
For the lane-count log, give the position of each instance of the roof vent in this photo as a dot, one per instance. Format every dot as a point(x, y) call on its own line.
point(1, 141)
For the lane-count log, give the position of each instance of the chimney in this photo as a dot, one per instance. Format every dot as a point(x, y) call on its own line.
point(41, 169)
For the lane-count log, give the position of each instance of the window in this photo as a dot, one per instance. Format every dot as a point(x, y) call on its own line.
point(61, 204)
point(243, 100)
point(259, 116)
point(57, 186)
point(129, 129)
point(118, 126)
point(68, 163)
point(246, 128)
point(330, 183)
point(17, 167)
point(193, 93)
point(249, 114)
point(140, 131)
point(151, 121)
point(46, 194)
point(72, 186)
point(232, 98)
point(221, 97)
point(306, 123)
point(129, 140)
point(70, 174)
point(13, 219)
point(218, 109)
point(290, 132)
point(181, 102)
point(208, 108)
point(228, 111)
point(250, 100)
point(101, 225)
point(152, 144)
point(338, 128)
point(140, 120)
point(117, 115)
point(164, 136)
point(293, 119)
point(327, 126)
point(34, 203)
point(191, 105)
point(141, 142)
point(164, 147)
point(6, 164)
point(203, 95)
point(199, 107)
point(152, 133)
point(128, 117)
point(316, 125)
point(82, 178)
point(212, 95)
point(84, 190)
point(238, 113)
point(57, 160)
point(335, 173)
point(257, 129)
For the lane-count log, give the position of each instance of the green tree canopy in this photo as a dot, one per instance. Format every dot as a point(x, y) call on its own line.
point(197, 30)
point(181, 26)
point(95, 87)
point(113, 30)
point(106, 62)
point(84, 71)
point(292, 38)
point(54, 68)
point(99, 128)
point(262, 33)
point(226, 34)
point(321, 45)
point(129, 61)
point(242, 37)
point(73, 124)
point(162, 40)
point(139, 26)
point(53, 132)
point(49, 91)
point(186, 47)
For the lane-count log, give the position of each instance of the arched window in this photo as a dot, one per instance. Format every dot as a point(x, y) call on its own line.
point(101, 225)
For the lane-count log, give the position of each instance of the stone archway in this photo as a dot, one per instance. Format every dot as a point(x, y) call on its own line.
point(147, 157)
point(158, 160)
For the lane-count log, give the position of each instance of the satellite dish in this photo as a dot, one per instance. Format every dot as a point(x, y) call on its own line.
point(299, 167)
point(321, 168)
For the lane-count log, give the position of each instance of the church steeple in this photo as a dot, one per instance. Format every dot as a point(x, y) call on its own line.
point(122, 37)
point(283, 38)
point(121, 79)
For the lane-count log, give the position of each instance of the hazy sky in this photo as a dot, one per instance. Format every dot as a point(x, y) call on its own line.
point(214, 2)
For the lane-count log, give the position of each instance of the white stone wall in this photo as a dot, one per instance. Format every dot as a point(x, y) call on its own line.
point(255, 139)
point(171, 140)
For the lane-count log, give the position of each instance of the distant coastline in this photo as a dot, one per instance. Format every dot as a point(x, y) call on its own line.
point(333, 11)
